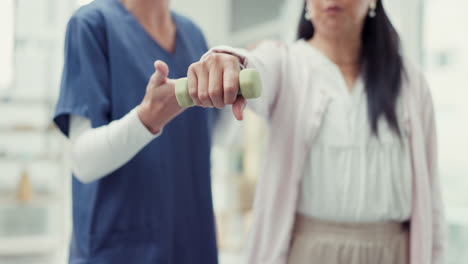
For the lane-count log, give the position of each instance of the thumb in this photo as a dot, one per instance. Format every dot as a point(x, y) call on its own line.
point(162, 70)
point(238, 108)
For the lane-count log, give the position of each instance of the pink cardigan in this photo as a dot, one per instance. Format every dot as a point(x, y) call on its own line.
point(294, 104)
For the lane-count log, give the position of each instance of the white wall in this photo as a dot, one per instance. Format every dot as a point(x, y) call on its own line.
point(6, 43)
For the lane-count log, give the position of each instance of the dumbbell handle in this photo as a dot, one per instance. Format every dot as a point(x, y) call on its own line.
point(250, 86)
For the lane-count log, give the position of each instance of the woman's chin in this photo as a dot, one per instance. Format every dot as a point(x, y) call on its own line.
point(332, 29)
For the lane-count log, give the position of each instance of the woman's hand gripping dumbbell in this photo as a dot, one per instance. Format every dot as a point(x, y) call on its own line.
point(217, 81)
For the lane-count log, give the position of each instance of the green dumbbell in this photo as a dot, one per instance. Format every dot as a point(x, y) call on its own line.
point(249, 82)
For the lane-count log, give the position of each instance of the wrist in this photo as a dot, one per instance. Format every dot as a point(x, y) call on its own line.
point(149, 118)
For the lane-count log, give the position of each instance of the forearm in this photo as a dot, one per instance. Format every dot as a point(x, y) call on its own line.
point(98, 152)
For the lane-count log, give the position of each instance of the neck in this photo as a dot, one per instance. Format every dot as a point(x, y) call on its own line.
point(153, 13)
point(156, 19)
point(344, 50)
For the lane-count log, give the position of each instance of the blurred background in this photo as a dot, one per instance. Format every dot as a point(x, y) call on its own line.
point(34, 173)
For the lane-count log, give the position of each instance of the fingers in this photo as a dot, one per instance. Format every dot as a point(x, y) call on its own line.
point(238, 108)
point(203, 80)
point(231, 85)
point(193, 84)
point(161, 72)
point(215, 87)
point(214, 81)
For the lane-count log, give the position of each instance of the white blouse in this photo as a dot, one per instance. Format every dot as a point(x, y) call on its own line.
point(351, 175)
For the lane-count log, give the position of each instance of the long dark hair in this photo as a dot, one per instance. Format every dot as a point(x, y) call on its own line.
point(382, 64)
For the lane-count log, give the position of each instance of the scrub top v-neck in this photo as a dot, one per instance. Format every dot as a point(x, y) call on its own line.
point(157, 208)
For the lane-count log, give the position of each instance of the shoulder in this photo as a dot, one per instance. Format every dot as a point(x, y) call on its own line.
point(92, 12)
point(415, 83)
point(273, 49)
point(187, 24)
point(192, 34)
point(417, 92)
point(88, 23)
point(270, 44)
point(92, 15)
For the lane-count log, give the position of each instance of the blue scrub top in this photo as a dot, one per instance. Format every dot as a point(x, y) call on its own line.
point(157, 208)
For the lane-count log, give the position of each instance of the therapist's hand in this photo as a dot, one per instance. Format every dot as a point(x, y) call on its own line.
point(214, 82)
point(159, 106)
